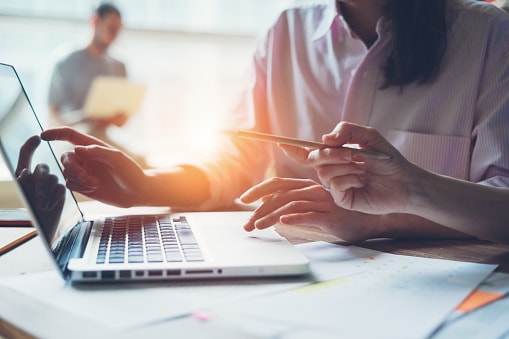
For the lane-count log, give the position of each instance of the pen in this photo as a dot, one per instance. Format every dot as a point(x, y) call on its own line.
point(17, 242)
point(305, 143)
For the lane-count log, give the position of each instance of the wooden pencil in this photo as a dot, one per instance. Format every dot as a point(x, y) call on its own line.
point(18, 242)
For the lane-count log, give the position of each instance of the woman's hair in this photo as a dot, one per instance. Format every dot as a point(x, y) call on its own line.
point(419, 39)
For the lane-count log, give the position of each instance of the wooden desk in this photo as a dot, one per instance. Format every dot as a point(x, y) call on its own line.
point(462, 250)
point(476, 251)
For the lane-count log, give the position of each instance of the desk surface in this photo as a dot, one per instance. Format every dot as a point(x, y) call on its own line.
point(476, 251)
point(463, 250)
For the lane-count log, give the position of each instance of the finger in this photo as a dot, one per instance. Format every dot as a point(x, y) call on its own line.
point(25, 178)
point(330, 155)
point(121, 168)
point(73, 168)
point(327, 172)
point(342, 230)
point(267, 220)
point(294, 207)
point(345, 133)
point(76, 176)
point(346, 182)
point(25, 154)
point(348, 133)
point(271, 186)
point(342, 190)
point(261, 220)
point(103, 164)
point(119, 119)
point(289, 201)
point(58, 198)
point(83, 188)
point(108, 156)
point(298, 154)
point(307, 218)
point(41, 186)
point(71, 135)
point(55, 193)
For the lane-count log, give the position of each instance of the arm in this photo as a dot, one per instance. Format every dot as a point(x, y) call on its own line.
point(182, 186)
point(468, 207)
point(101, 172)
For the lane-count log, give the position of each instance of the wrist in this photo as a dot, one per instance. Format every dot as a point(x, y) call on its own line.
point(150, 192)
point(421, 190)
point(179, 186)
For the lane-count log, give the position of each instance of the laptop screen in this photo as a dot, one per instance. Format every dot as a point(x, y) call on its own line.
point(32, 162)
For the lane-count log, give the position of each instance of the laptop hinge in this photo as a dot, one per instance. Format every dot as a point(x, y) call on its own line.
point(72, 244)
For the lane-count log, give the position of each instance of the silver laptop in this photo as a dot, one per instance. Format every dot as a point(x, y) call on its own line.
point(130, 247)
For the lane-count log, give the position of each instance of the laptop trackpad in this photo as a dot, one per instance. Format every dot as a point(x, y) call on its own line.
point(233, 245)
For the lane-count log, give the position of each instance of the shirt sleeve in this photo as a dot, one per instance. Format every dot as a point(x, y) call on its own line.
point(490, 154)
point(238, 164)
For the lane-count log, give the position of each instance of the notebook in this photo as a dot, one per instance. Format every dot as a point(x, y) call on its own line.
point(109, 96)
point(194, 245)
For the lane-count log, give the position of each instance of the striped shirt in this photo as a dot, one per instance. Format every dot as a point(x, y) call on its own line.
point(310, 71)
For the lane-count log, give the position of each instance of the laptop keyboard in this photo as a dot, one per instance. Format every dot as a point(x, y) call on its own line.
point(152, 239)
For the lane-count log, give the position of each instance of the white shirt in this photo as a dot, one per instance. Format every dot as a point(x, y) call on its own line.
point(310, 72)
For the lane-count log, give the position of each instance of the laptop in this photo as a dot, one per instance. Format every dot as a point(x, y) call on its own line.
point(110, 95)
point(136, 247)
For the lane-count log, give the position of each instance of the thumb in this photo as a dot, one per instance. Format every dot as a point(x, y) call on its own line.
point(349, 133)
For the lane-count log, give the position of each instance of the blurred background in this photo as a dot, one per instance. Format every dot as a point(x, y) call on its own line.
point(191, 55)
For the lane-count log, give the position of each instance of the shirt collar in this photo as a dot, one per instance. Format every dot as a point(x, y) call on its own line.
point(329, 16)
point(332, 16)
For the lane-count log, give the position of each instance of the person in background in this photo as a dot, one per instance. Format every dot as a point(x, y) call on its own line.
point(73, 75)
point(429, 76)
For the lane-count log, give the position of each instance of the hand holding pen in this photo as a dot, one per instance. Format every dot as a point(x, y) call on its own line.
point(371, 179)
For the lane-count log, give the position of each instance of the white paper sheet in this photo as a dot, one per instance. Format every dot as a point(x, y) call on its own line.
point(491, 306)
point(490, 321)
point(123, 306)
point(391, 296)
point(351, 291)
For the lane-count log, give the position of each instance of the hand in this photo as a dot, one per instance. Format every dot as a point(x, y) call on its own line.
point(118, 120)
point(357, 182)
point(45, 195)
point(304, 202)
point(99, 171)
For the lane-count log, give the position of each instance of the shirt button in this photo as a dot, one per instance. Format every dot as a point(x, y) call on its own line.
point(353, 71)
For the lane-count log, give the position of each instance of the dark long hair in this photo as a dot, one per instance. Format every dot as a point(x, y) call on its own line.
point(419, 39)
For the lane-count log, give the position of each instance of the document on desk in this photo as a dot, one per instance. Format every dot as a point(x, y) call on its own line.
point(392, 296)
point(489, 301)
point(110, 307)
point(351, 292)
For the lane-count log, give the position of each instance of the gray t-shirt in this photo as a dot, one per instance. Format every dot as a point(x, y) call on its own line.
point(73, 75)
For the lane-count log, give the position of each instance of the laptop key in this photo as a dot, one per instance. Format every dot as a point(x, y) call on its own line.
point(186, 237)
point(116, 259)
point(135, 258)
point(153, 257)
point(173, 257)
